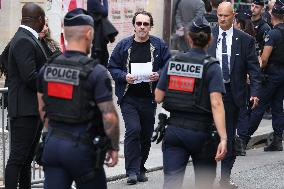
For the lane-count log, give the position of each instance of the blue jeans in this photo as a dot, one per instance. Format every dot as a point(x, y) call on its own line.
point(139, 117)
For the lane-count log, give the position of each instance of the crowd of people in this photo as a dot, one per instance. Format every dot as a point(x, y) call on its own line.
point(229, 69)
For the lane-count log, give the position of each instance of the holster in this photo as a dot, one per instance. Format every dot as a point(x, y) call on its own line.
point(39, 153)
point(210, 146)
point(98, 144)
point(264, 77)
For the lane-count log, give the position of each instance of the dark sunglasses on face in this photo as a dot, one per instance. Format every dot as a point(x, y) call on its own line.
point(142, 23)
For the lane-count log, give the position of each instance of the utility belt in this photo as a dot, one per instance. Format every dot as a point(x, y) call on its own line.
point(209, 148)
point(186, 123)
point(60, 133)
point(99, 145)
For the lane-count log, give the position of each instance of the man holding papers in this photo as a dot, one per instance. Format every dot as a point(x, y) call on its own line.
point(135, 65)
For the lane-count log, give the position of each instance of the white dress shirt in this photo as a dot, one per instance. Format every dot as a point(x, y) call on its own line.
point(229, 40)
point(30, 30)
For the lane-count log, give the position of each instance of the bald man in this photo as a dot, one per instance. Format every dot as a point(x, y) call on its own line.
point(236, 53)
point(26, 57)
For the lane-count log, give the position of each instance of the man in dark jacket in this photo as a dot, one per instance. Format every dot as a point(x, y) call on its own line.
point(105, 31)
point(135, 90)
point(236, 52)
point(26, 57)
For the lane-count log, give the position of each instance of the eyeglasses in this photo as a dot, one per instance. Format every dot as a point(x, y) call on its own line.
point(142, 23)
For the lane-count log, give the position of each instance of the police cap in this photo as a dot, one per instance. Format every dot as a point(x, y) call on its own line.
point(78, 17)
point(200, 24)
point(244, 15)
point(258, 2)
point(278, 7)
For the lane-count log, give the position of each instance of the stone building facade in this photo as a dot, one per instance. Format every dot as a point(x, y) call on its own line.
point(10, 15)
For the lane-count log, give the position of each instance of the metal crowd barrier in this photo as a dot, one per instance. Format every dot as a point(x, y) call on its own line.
point(37, 173)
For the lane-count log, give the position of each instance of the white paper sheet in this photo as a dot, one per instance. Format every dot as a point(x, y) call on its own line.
point(141, 71)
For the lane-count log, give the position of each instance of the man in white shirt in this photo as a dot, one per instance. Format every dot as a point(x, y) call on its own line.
point(236, 52)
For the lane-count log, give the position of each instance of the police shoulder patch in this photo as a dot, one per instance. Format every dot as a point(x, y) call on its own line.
point(267, 37)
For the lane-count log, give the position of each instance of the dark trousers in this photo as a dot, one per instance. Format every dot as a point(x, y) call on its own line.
point(273, 93)
point(25, 135)
point(243, 122)
point(244, 116)
point(139, 118)
point(178, 145)
point(231, 114)
point(67, 160)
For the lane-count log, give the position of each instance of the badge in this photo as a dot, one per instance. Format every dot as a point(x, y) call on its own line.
point(179, 83)
point(60, 90)
point(267, 37)
point(185, 69)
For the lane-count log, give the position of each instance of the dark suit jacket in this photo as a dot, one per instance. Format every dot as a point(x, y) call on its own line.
point(243, 61)
point(26, 57)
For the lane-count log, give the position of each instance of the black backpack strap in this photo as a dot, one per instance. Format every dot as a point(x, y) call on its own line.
point(53, 56)
point(210, 60)
point(206, 59)
point(88, 65)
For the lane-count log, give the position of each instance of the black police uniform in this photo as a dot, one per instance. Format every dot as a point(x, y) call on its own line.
point(266, 16)
point(72, 84)
point(189, 125)
point(261, 28)
point(273, 91)
point(212, 18)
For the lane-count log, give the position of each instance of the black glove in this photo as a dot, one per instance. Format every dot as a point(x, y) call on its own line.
point(160, 130)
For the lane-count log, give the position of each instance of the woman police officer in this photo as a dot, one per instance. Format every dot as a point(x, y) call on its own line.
point(191, 87)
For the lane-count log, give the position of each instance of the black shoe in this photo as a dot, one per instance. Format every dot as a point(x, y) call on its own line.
point(276, 144)
point(240, 147)
point(228, 185)
point(142, 177)
point(132, 179)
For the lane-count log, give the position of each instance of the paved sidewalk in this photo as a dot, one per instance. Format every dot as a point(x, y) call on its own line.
point(155, 160)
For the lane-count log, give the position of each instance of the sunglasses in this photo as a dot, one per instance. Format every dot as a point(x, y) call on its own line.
point(142, 23)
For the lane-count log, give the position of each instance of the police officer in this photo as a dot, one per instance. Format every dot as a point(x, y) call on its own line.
point(243, 22)
point(191, 87)
point(260, 26)
point(211, 17)
point(75, 103)
point(273, 92)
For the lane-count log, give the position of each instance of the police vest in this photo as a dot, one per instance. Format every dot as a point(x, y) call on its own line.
point(187, 90)
point(212, 19)
point(277, 55)
point(65, 96)
point(260, 34)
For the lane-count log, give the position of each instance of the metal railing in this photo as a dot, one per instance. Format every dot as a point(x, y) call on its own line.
point(37, 173)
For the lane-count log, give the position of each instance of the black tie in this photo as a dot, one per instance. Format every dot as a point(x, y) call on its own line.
point(225, 66)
